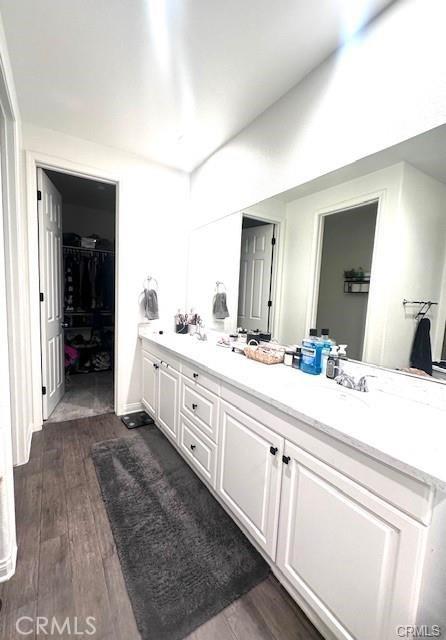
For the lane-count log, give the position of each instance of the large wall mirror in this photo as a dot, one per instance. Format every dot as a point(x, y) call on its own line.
point(361, 252)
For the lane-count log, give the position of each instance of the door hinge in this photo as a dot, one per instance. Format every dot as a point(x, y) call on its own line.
point(42, 297)
point(273, 241)
point(286, 459)
point(44, 391)
point(39, 194)
point(270, 303)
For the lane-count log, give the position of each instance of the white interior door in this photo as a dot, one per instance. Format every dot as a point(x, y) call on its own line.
point(255, 277)
point(49, 206)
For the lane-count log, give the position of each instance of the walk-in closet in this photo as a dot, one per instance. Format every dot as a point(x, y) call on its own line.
point(78, 215)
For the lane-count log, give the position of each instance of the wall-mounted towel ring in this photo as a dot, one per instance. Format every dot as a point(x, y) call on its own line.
point(150, 283)
point(220, 287)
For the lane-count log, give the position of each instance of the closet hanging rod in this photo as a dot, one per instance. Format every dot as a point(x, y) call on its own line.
point(68, 247)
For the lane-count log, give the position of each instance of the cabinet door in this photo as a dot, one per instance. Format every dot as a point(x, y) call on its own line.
point(249, 474)
point(150, 367)
point(353, 557)
point(167, 405)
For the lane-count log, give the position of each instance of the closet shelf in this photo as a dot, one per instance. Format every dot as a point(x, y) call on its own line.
point(85, 250)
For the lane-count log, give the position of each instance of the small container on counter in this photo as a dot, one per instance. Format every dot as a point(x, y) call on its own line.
point(288, 357)
point(297, 357)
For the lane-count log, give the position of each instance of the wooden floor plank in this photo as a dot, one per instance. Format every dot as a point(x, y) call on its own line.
point(67, 560)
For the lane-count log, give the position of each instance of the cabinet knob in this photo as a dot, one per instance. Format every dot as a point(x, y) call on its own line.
point(195, 375)
point(156, 366)
point(286, 459)
point(194, 406)
point(273, 450)
point(192, 446)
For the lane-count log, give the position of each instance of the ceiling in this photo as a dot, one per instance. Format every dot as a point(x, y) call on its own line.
point(170, 80)
point(84, 192)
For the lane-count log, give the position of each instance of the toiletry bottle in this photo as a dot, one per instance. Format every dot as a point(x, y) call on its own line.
point(297, 357)
point(342, 352)
point(311, 358)
point(333, 368)
point(328, 344)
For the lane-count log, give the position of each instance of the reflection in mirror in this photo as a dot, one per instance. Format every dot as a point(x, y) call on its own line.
point(342, 253)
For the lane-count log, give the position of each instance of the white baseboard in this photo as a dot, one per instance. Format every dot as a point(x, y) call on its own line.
point(23, 456)
point(131, 407)
point(7, 565)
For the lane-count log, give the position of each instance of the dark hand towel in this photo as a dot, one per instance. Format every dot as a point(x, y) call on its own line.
point(220, 307)
point(421, 355)
point(151, 304)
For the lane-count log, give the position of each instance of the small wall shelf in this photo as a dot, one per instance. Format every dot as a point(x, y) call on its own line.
point(356, 286)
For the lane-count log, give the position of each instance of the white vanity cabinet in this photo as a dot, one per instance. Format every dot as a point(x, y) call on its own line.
point(150, 367)
point(161, 392)
point(249, 474)
point(352, 556)
point(168, 398)
point(345, 533)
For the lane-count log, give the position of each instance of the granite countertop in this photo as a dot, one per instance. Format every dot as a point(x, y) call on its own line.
point(407, 435)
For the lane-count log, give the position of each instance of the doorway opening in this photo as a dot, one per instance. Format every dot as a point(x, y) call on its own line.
point(348, 240)
point(256, 281)
point(76, 222)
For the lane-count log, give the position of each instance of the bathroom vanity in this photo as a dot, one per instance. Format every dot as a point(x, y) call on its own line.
point(342, 492)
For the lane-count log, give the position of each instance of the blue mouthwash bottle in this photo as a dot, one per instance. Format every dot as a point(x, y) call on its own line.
point(328, 344)
point(311, 359)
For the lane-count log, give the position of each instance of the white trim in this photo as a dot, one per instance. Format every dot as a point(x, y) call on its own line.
point(33, 161)
point(8, 564)
point(316, 257)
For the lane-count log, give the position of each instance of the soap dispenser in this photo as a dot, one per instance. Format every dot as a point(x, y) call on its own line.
point(333, 363)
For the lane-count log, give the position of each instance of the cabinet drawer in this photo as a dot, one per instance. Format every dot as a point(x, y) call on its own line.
point(199, 450)
point(161, 354)
point(197, 376)
point(201, 406)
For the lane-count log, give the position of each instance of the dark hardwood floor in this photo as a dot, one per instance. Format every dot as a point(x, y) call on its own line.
point(67, 562)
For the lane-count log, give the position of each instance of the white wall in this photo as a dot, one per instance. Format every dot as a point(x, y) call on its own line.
point(86, 221)
point(387, 86)
point(214, 255)
point(152, 224)
point(10, 143)
point(419, 259)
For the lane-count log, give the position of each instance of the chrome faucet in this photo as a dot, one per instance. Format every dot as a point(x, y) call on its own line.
point(345, 380)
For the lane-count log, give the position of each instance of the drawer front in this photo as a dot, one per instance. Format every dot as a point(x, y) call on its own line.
point(161, 354)
point(198, 377)
point(201, 451)
point(201, 406)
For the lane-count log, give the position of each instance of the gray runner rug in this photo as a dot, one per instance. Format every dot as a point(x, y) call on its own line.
point(182, 556)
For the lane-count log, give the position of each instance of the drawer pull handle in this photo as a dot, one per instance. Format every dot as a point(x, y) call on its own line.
point(195, 375)
point(273, 450)
point(192, 446)
point(286, 459)
point(194, 406)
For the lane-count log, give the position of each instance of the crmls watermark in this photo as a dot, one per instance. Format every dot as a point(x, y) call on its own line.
point(42, 626)
point(418, 631)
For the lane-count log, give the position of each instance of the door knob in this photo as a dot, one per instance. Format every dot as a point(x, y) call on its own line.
point(195, 375)
point(64, 325)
